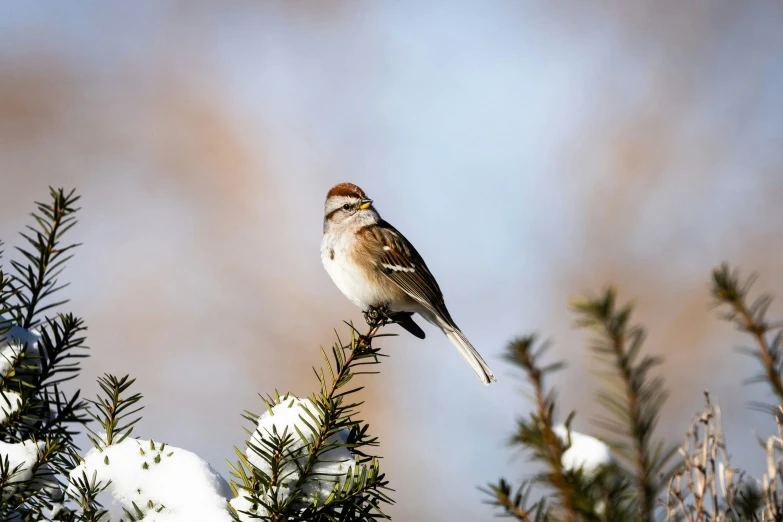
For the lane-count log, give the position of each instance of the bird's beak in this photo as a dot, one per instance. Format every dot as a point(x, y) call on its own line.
point(365, 204)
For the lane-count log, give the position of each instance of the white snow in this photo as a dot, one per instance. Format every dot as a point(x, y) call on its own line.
point(174, 485)
point(284, 417)
point(9, 404)
point(12, 343)
point(177, 484)
point(585, 452)
point(23, 455)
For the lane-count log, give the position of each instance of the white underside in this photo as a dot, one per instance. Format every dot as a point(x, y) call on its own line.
point(349, 278)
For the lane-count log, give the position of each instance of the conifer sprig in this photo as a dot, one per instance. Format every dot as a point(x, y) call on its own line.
point(536, 434)
point(516, 503)
point(37, 374)
point(728, 289)
point(39, 354)
point(284, 488)
point(632, 397)
point(45, 255)
point(114, 412)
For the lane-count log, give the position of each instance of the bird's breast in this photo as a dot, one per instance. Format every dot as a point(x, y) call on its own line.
point(357, 282)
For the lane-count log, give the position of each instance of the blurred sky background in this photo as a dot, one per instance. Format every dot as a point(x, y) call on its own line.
point(530, 150)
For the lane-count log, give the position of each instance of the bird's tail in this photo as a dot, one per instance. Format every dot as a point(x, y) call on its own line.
point(470, 354)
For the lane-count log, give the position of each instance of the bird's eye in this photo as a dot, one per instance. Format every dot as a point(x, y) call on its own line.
point(346, 207)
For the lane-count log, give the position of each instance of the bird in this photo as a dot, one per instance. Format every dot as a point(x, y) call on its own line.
point(375, 266)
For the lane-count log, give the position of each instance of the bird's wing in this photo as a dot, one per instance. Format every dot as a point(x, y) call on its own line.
point(401, 263)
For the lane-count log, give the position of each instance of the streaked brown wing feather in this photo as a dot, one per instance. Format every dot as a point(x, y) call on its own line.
point(401, 263)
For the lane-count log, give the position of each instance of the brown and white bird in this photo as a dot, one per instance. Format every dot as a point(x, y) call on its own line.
point(373, 264)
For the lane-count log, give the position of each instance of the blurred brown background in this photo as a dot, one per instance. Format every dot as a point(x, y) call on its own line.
point(531, 151)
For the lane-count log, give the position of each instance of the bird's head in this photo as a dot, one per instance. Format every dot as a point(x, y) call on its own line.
point(347, 206)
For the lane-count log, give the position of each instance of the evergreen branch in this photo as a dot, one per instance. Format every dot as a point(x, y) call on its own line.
point(58, 342)
point(336, 416)
point(86, 494)
point(537, 433)
point(361, 347)
point(36, 375)
point(26, 496)
point(727, 289)
point(516, 506)
point(46, 258)
point(38, 356)
point(361, 492)
point(288, 472)
point(637, 404)
point(113, 411)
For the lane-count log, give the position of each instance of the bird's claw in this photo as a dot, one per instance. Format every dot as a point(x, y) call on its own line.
point(377, 315)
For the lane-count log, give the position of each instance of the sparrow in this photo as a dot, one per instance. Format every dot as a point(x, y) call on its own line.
point(375, 266)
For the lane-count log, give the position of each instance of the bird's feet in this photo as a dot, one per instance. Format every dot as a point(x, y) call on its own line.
point(377, 315)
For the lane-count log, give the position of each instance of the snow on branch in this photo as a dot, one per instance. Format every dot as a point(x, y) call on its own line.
point(579, 469)
point(39, 350)
point(290, 428)
point(18, 352)
point(585, 453)
point(15, 341)
point(149, 480)
point(305, 458)
point(19, 460)
point(156, 482)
